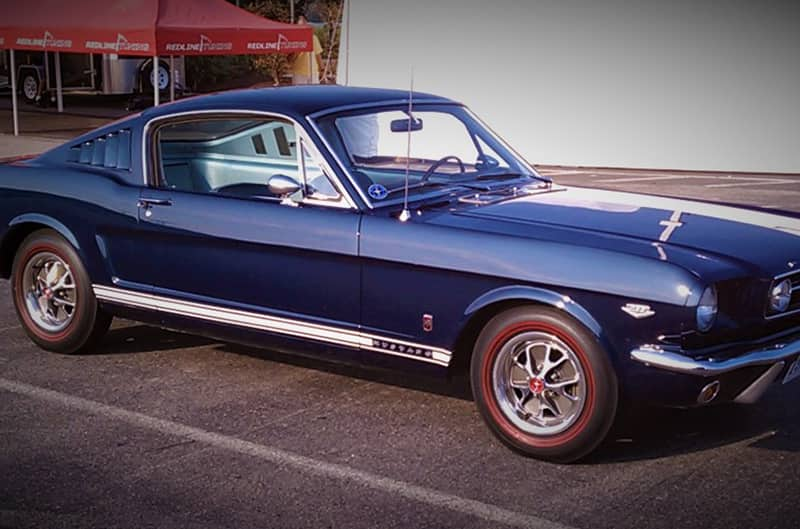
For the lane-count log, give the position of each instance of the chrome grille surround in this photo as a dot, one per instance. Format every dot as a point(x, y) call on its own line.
point(794, 302)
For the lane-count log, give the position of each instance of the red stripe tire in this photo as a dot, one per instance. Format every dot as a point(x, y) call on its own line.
point(53, 295)
point(543, 383)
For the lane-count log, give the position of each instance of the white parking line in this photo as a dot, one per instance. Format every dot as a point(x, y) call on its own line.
point(622, 174)
point(560, 173)
point(485, 511)
point(764, 182)
point(730, 181)
point(599, 173)
point(649, 178)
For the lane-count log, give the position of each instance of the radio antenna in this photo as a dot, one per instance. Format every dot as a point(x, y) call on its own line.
point(406, 214)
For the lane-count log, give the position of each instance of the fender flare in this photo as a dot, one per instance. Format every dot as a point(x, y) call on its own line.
point(50, 222)
point(541, 296)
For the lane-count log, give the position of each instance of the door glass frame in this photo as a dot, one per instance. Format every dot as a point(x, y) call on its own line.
point(151, 159)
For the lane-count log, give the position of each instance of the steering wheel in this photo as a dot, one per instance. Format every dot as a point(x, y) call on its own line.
point(432, 169)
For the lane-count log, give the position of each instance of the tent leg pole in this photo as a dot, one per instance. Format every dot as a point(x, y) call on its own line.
point(154, 80)
point(46, 71)
point(59, 90)
point(172, 78)
point(92, 73)
point(14, 109)
point(347, 47)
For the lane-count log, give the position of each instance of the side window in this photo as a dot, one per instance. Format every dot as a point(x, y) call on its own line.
point(230, 156)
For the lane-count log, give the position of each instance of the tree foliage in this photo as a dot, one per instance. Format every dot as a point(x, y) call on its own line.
point(205, 73)
point(275, 65)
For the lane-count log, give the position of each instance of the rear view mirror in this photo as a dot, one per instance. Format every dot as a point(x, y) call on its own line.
point(402, 125)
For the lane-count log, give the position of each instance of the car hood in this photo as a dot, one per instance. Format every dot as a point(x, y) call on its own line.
point(699, 236)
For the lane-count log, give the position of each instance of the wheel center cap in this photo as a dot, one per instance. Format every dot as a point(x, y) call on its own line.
point(48, 293)
point(537, 386)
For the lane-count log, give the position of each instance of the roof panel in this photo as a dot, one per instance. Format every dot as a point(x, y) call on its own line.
point(295, 101)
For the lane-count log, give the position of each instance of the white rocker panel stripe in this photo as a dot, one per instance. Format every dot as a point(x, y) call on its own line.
point(297, 328)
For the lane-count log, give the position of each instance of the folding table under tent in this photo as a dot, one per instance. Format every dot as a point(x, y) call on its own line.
point(146, 28)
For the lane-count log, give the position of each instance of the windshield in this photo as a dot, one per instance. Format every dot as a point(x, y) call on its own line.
point(448, 149)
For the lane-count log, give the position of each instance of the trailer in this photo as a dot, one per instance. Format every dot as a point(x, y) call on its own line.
point(156, 31)
point(89, 73)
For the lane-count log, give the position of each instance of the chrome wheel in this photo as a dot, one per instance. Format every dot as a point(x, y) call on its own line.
point(49, 292)
point(539, 383)
point(161, 75)
point(30, 87)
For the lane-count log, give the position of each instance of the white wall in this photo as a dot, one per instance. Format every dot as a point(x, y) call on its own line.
point(677, 84)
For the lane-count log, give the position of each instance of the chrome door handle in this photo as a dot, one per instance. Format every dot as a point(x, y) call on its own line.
point(149, 202)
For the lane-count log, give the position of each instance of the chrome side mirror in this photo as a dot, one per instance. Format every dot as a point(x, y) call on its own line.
point(283, 186)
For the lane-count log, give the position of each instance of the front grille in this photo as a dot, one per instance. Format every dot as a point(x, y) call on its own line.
point(794, 303)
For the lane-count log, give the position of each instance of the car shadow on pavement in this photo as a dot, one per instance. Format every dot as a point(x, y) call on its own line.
point(455, 387)
point(654, 433)
point(136, 338)
point(638, 434)
point(130, 338)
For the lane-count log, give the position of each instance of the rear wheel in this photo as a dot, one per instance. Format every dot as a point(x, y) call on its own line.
point(158, 76)
point(30, 87)
point(53, 295)
point(543, 384)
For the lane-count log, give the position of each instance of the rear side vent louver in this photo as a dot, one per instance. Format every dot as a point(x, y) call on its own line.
point(112, 151)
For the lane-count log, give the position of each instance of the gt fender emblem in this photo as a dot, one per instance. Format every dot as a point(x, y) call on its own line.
point(638, 311)
point(427, 322)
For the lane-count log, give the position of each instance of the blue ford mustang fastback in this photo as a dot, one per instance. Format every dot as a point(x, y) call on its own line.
point(357, 224)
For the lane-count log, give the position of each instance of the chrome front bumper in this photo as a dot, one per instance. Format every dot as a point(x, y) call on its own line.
point(671, 360)
point(773, 357)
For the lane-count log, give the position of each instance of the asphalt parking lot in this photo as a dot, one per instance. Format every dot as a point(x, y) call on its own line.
point(771, 191)
point(159, 429)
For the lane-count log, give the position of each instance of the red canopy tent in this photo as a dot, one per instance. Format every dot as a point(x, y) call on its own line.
point(144, 28)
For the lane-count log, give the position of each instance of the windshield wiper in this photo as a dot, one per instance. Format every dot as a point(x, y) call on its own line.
point(420, 186)
point(503, 175)
point(511, 175)
point(469, 183)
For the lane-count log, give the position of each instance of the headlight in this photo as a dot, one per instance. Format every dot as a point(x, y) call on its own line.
point(707, 309)
point(780, 295)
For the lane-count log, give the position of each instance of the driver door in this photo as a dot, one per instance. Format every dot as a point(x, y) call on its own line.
point(219, 240)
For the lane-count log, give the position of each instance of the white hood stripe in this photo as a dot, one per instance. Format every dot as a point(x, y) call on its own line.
point(632, 201)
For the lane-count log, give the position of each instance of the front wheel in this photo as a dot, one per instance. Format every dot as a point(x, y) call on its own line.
point(543, 384)
point(53, 296)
